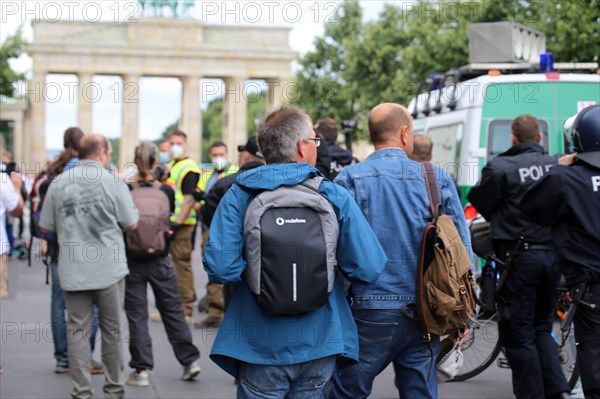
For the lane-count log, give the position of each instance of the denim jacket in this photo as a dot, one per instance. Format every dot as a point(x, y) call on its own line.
point(391, 192)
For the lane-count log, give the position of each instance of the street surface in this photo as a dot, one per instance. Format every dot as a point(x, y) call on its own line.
point(26, 352)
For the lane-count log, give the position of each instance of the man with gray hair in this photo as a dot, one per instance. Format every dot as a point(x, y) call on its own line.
point(280, 353)
point(89, 208)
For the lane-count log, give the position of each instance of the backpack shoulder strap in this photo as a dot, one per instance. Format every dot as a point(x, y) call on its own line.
point(433, 190)
point(313, 183)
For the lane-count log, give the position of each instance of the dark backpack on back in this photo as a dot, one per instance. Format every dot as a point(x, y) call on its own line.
point(36, 201)
point(290, 244)
point(38, 194)
point(150, 239)
point(445, 284)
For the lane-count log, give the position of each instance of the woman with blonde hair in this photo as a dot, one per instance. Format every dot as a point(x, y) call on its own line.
point(154, 268)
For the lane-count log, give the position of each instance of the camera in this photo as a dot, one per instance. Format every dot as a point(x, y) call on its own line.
point(8, 167)
point(349, 126)
point(161, 173)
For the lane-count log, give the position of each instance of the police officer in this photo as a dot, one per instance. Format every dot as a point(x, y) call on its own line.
point(568, 199)
point(528, 296)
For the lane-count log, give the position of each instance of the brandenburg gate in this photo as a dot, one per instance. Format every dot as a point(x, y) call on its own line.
point(186, 49)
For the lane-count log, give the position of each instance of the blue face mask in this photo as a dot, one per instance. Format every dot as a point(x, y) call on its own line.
point(163, 157)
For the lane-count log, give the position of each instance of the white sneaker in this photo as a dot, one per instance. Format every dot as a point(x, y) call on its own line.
point(191, 371)
point(138, 379)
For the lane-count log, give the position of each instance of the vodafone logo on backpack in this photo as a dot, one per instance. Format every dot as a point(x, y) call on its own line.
point(282, 221)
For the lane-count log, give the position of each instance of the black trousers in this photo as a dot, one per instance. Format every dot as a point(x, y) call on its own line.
point(160, 274)
point(526, 306)
point(587, 335)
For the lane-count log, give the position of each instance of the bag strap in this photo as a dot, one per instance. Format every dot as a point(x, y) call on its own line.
point(432, 190)
point(137, 184)
point(425, 248)
point(313, 183)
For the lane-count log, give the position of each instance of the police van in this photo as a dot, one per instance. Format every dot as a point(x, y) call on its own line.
point(467, 111)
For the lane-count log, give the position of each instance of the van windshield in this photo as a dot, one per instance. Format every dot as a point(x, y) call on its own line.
point(499, 136)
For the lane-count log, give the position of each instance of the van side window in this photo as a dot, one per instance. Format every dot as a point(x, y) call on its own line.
point(499, 136)
point(446, 146)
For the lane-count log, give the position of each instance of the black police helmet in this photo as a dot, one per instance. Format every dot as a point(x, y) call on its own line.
point(586, 135)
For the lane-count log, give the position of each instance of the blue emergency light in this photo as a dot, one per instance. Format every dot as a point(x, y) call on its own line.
point(547, 62)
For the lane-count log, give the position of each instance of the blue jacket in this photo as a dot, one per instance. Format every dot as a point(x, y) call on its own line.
point(390, 190)
point(247, 333)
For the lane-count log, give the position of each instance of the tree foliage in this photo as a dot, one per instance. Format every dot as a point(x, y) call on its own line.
point(13, 47)
point(356, 64)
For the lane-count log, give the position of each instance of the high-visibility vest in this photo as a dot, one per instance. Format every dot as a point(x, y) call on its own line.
point(207, 174)
point(178, 171)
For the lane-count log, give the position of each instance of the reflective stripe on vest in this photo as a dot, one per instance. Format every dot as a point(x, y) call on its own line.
point(178, 171)
point(206, 175)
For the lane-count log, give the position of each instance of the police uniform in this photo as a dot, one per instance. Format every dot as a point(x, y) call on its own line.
point(528, 297)
point(568, 199)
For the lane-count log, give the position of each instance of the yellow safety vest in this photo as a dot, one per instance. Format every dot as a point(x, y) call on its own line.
point(178, 171)
point(207, 174)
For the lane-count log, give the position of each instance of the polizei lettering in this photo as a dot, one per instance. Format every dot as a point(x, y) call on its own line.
point(282, 221)
point(533, 173)
point(596, 183)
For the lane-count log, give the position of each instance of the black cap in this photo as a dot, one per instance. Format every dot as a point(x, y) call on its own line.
point(252, 147)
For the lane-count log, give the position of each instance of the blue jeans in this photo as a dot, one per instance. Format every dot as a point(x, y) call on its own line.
point(294, 381)
point(59, 323)
point(389, 336)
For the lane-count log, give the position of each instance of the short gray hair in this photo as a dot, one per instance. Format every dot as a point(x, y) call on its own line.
point(280, 132)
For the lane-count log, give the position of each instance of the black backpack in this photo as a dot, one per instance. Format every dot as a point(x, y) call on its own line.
point(290, 244)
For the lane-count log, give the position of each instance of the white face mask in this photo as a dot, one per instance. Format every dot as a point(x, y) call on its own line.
point(176, 151)
point(219, 163)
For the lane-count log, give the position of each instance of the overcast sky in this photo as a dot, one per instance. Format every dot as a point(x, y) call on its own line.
point(160, 98)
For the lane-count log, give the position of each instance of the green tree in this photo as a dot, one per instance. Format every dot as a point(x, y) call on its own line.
point(13, 47)
point(572, 28)
point(115, 144)
point(365, 63)
point(322, 88)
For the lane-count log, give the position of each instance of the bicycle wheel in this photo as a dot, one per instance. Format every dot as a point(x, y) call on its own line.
point(567, 352)
point(480, 349)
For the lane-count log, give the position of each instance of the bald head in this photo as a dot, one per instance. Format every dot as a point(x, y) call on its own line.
point(423, 149)
point(95, 147)
point(390, 125)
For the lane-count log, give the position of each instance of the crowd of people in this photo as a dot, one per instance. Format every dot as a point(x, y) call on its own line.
point(299, 233)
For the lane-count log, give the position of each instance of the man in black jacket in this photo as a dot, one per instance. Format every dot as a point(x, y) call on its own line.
point(568, 199)
point(340, 158)
point(528, 297)
point(250, 158)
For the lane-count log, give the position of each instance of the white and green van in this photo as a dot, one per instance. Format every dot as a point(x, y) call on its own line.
point(470, 123)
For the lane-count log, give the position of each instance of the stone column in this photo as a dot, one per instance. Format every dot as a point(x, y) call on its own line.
point(18, 141)
point(191, 115)
point(34, 153)
point(130, 135)
point(85, 99)
point(278, 93)
point(235, 120)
